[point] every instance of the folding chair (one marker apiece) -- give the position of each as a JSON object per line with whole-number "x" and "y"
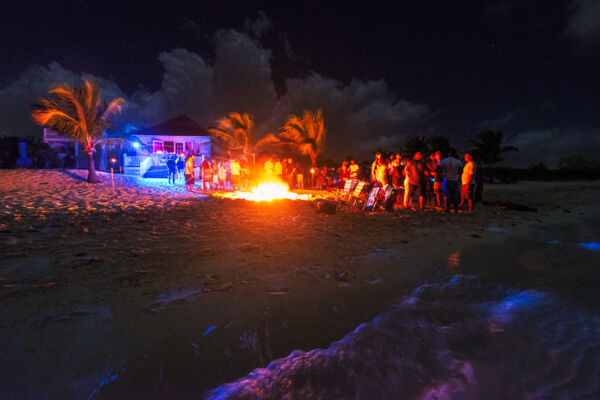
{"x": 372, "y": 198}
{"x": 357, "y": 191}
{"x": 348, "y": 188}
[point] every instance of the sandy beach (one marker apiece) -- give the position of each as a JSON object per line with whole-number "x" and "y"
{"x": 147, "y": 291}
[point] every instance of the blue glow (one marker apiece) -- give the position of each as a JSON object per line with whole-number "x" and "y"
{"x": 129, "y": 128}
{"x": 503, "y": 311}
{"x": 590, "y": 245}
{"x": 209, "y": 330}
{"x": 494, "y": 229}
{"x": 136, "y": 145}
{"x": 554, "y": 241}
{"x": 110, "y": 377}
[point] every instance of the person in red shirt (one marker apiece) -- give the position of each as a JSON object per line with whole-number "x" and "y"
{"x": 415, "y": 174}
{"x": 207, "y": 174}
{"x": 344, "y": 173}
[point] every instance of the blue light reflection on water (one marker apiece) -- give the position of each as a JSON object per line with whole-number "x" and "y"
{"x": 590, "y": 245}
{"x": 408, "y": 339}
{"x": 110, "y": 377}
{"x": 209, "y": 330}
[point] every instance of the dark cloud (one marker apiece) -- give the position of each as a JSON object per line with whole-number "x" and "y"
{"x": 500, "y": 122}
{"x": 583, "y": 25}
{"x": 547, "y": 145}
{"x": 16, "y": 98}
{"x": 360, "y": 116}
{"x": 259, "y": 26}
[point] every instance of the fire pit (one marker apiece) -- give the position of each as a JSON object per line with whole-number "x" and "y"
{"x": 266, "y": 191}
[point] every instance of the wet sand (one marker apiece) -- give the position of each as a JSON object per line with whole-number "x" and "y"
{"x": 156, "y": 291}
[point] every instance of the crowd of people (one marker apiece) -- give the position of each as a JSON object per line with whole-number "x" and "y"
{"x": 440, "y": 179}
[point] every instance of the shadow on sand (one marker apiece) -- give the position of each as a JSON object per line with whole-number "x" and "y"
{"x": 73, "y": 175}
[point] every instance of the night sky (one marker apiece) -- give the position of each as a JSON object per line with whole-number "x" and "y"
{"x": 380, "y": 72}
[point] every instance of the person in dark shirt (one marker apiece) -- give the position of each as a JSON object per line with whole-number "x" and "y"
{"x": 180, "y": 167}
{"x": 172, "y": 169}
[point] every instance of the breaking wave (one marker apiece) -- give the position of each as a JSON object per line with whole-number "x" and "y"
{"x": 464, "y": 339}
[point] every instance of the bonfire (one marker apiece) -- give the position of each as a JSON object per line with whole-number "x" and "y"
{"x": 267, "y": 191}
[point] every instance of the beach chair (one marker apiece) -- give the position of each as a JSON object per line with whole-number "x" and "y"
{"x": 387, "y": 197}
{"x": 357, "y": 191}
{"x": 348, "y": 189}
{"x": 372, "y": 198}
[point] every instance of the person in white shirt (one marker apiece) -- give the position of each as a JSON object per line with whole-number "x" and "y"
{"x": 450, "y": 169}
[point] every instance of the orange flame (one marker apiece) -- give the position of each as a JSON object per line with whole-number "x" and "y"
{"x": 266, "y": 191}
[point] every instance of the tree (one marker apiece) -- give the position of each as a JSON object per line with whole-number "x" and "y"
{"x": 487, "y": 149}
{"x": 439, "y": 143}
{"x": 80, "y": 114}
{"x": 577, "y": 163}
{"x": 306, "y": 134}
{"x": 416, "y": 143}
{"x": 236, "y": 132}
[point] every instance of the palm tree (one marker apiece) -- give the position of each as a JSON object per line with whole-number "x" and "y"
{"x": 416, "y": 143}
{"x": 307, "y": 133}
{"x": 487, "y": 148}
{"x": 439, "y": 143}
{"x": 236, "y": 132}
{"x": 79, "y": 113}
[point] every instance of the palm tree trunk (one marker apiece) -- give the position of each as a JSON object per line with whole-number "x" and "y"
{"x": 91, "y": 168}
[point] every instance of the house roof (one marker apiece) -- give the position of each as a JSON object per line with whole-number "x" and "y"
{"x": 181, "y": 125}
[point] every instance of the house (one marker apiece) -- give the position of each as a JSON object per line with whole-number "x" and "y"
{"x": 147, "y": 150}
{"x": 178, "y": 136}
{"x": 71, "y": 152}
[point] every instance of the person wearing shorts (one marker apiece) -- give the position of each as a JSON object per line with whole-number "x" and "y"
{"x": 189, "y": 173}
{"x": 414, "y": 172}
{"x": 467, "y": 181}
{"x": 449, "y": 169}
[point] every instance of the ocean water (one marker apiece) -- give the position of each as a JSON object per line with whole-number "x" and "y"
{"x": 463, "y": 339}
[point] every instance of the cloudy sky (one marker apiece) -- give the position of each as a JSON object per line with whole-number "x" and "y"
{"x": 381, "y": 73}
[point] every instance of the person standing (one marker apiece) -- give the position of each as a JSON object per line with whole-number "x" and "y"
{"x": 415, "y": 174}
{"x": 353, "y": 169}
{"x": 180, "y": 167}
{"x": 215, "y": 174}
{"x": 222, "y": 174}
{"x": 278, "y": 169}
{"x": 467, "y": 181}
{"x": 379, "y": 170}
{"x": 207, "y": 174}
{"x": 291, "y": 172}
{"x": 299, "y": 176}
{"x": 172, "y": 166}
{"x": 269, "y": 167}
{"x": 343, "y": 173}
{"x": 189, "y": 173}
{"x": 245, "y": 175}
{"x": 437, "y": 177}
{"x": 450, "y": 169}
{"x": 236, "y": 171}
